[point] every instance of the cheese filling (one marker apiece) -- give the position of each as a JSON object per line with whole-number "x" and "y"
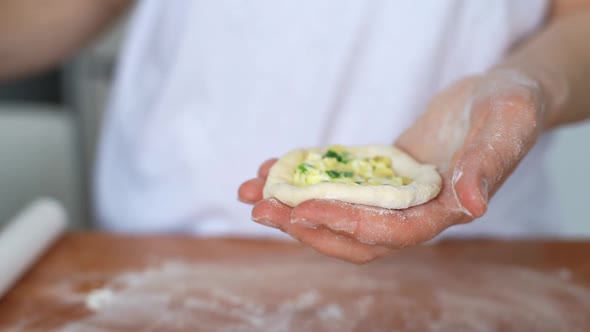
{"x": 339, "y": 165}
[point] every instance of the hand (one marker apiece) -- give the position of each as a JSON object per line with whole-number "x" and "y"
{"x": 476, "y": 132}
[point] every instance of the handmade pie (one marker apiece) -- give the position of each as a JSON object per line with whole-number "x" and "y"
{"x": 374, "y": 175}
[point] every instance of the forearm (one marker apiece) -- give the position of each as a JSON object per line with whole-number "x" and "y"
{"x": 559, "y": 59}
{"x": 36, "y": 35}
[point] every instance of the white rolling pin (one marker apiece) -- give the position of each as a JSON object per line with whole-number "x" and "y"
{"x": 26, "y": 237}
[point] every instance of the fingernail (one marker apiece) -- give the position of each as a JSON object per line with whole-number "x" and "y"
{"x": 305, "y": 223}
{"x": 457, "y": 174}
{"x": 483, "y": 189}
{"x": 265, "y": 222}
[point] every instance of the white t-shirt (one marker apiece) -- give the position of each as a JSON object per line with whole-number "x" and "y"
{"x": 207, "y": 90}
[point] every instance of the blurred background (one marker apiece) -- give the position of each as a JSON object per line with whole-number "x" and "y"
{"x": 50, "y": 123}
{"x": 49, "y": 127}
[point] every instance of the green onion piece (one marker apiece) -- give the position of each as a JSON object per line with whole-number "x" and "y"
{"x": 302, "y": 167}
{"x": 345, "y": 157}
{"x": 347, "y": 174}
{"x": 333, "y": 174}
{"x": 333, "y": 154}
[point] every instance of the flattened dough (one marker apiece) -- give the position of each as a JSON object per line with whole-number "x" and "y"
{"x": 426, "y": 182}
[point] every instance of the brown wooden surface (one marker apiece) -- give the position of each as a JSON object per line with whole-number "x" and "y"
{"x": 104, "y": 255}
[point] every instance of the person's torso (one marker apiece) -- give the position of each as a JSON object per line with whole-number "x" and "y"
{"x": 207, "y": 90}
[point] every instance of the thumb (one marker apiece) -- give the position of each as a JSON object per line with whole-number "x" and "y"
{"x": 504, "y": 125}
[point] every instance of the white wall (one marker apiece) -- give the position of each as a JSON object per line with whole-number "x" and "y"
{"x": 38, "y": 158}
{"x": 570, "y": 166}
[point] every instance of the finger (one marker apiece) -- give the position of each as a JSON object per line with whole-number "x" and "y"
{"x": 377, "y": 226}
{"x": 265, "y": 168}
{"x": 335, "y": 245}
{"x": 270, "y": 212}
{"x": 470, "y": 188}
{"x": 503, "y": 129}
{"x": 251, "y": 191}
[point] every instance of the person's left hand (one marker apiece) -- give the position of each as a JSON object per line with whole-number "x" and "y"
{"x": 476, "y": 132}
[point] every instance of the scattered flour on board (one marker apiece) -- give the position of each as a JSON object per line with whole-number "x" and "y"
{"x": 99, "y": 298}
{"x": 330, "y": 296}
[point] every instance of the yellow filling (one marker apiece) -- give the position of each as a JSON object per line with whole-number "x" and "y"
{"x": 337, "y": 164}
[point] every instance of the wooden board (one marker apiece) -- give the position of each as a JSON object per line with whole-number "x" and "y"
{"x": 179, "y": 283}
